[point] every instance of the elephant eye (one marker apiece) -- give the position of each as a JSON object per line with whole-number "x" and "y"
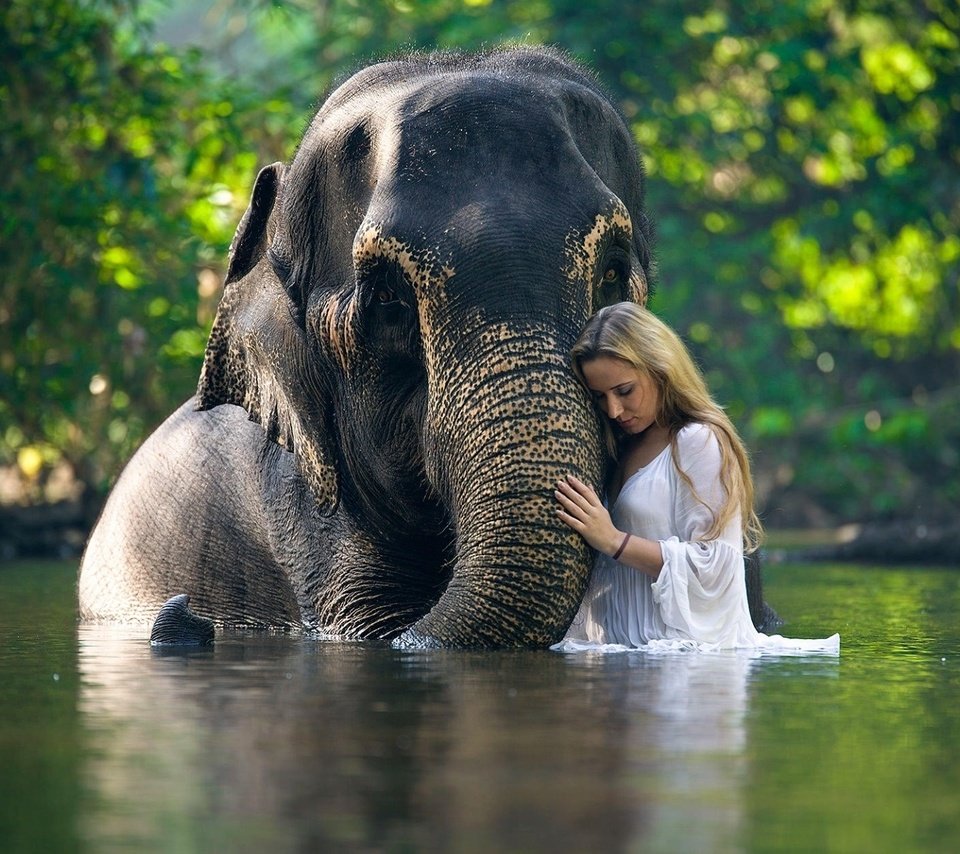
{"x": 383, "y": 289}
{"x": 614, "y": 272}
{"x": 385, "y": 296}
{"x": 610, "y": 289}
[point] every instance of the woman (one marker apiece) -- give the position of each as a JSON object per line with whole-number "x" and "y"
{"x": 670, "y": 573}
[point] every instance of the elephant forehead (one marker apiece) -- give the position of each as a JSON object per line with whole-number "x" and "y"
{"x": 459, "y": 120}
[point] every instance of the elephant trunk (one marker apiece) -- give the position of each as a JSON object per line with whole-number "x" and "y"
{"x": 502, "y": 441}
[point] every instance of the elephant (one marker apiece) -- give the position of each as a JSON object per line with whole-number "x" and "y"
{"x": 385, "y": 401}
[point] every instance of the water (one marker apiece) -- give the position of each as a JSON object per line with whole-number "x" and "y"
{"x": 284, "y": 744}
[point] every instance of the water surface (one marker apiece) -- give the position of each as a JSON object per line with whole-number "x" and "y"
{"x": 290, "y": 744}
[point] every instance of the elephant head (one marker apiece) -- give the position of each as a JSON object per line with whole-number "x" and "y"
{"x": 398, "y": 310}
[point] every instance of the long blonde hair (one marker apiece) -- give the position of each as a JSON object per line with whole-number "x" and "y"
{"x": 631, "y": 333}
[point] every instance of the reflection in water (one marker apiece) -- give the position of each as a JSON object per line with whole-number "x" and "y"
{"x": 300, "y": 744}
{"x": 700, "y": 703}
{"x": 285, "y": 744}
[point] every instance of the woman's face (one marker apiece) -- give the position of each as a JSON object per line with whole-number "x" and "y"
{"x": 624, "y": 394}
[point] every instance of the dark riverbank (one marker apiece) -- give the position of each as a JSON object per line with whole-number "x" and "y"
{"x": 55, "y": 530}
{"x": 895, "y": 542}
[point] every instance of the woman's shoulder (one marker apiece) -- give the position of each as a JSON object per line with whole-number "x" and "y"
{"x": 696, "y": 435}
{"x": 697, "y": 442}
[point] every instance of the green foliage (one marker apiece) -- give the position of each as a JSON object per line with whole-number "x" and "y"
{"x": 125, "y": 172}
{"x": 802, "y": 160}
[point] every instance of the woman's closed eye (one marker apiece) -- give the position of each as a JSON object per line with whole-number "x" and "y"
{"x": 622, "y": 391}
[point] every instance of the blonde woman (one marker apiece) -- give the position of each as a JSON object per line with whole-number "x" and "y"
{"x": 670, "y": 568}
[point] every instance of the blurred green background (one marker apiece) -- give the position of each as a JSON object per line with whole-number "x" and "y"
{"x": 804, "y": 177}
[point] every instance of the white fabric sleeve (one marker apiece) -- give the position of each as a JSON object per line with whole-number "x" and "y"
{"x": 701, "y": 591}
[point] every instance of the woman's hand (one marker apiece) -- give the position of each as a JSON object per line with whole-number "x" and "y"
{"x": 582, "y": 509}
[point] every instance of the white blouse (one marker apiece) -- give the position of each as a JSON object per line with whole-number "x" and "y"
{"x": 699, "y": 601}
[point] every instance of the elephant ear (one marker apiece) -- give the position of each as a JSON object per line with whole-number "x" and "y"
{"x": 258, "y": 356}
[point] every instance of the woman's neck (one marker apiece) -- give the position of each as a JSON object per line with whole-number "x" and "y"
{"x": 642, "y": 449}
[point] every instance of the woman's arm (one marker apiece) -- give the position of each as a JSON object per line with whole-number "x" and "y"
{"x": 582, "y": 509}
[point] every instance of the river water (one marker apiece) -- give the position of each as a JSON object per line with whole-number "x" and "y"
{"x": 279, "y": 744}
